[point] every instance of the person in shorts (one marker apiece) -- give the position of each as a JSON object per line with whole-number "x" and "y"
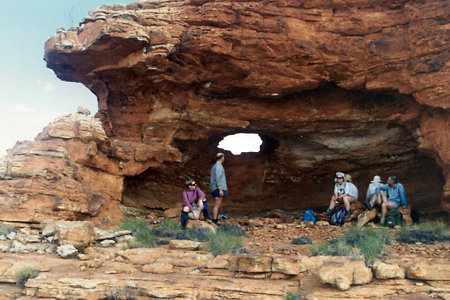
{"x": 218, "y": 185}
{"x": 392, "y": 196}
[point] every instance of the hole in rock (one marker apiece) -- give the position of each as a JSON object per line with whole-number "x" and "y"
{"x": 299, "y": 154}
{"x": 241, "y": 142}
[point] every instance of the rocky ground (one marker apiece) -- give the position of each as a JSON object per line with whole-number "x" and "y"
{"x": 79, "y": 261}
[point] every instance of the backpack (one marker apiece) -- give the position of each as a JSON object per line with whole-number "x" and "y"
{"x": 337, "y": 218}
{"x": 309, "y": 216}
{"x": 394, "y": 217}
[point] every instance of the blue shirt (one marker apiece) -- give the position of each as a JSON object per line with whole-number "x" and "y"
{"x": 218, "y": 180}
{"x": 394, "y": 194}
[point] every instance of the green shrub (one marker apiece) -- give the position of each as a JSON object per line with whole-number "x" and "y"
{"x": 232, "y": 229}
{"x": 222, "y": 242}
{"x": 141, "y": 230}
{"x": 6, "y": 229}
{"x": 438, "y": 228}
{"x": 320, "y": 249}
{"x": 355, "y": 240}
{"x": 24, "y": 274}
{"x": 167, "y": 228}
{"x": 290, "y": 296}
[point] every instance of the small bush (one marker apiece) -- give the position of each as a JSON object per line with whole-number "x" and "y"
{"x": 365, "y": 241}
{"x": 231, "y": 229}
{"x": 426, "y": 233}
{"x": 320, "y": 249}
{"x": 167, "y": 228}
{"x": 24, "y": 274}
{"x": 290, "y": 296}
{"x": 222, "y": 242}
{"x": 301, "y": 241}
{"x": 141, "y": 230}
{"x": 6, "y": 229}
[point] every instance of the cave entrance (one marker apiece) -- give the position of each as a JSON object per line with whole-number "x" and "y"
{"x": 322, "y": 131}
{"x": 241, "y": 142}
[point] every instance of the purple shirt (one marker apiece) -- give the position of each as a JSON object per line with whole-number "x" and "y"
{"x": 190, "y": 197}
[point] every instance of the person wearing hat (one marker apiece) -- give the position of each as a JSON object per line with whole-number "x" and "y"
{"x": 341, "y": 193}
{"x": 193, "y": 196}
{"x": 353, "y": 188}
{"x": 371, "y": 196}
{"x": 392, "y": 196}
{"x": 218, "y": 185}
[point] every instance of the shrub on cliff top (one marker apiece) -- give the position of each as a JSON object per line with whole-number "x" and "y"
{"x": 141, "y": 230}
{"x": 426, "y": 233}
{"x": 24, "y": 274}
{"x": 222, "y": 242}
{"x": 166, "y": 228}
{"x": 6, "y": 229}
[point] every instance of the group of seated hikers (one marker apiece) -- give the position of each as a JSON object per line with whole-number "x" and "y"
{"x": 389, "y": 196}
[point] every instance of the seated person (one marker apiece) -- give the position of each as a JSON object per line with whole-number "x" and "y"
{"x": 371, "y": 196}
{"x": 193, "y": 195}
{"x": 342, "y": 193}
{"x": 391, "y": 195}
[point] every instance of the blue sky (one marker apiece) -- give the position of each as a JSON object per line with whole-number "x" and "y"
{"x": 30, "y": 94}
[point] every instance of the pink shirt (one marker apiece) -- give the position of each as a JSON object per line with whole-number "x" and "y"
{"x": 190, "y": 197}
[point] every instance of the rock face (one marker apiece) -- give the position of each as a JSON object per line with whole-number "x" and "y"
{"x": 360, "y": 87}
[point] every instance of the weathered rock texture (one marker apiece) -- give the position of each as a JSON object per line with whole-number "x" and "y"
{"x": 358, "y": 86}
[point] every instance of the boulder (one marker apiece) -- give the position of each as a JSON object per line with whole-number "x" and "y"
{"x": 172, "y": 213}
{"x": 322, "y": 223}
{"x": 355, "y": 272}
{"x": 428, "y": 271}
{"x": 76, "y": 233}
{"x": 67, "y": 251}
{"x": 342, "y": 282}
{"x": 365, "y": 217}
{"x": 107, "y": 243}
{"x": 191, "y": 224}
{"x": 388, "y": 271}
{"x": 287, "y": 265}
{"x": 254, "y": 264}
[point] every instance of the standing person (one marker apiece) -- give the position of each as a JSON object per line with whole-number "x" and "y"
{"x": 218, "y": 185}
{"x": 341, "y": 193}
{"x": 392, "y": 196}
{"x": 371, "y": 196}
{"x": 193, "y": 196}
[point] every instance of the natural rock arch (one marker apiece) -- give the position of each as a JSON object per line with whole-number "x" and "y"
{"x": 362, "y": 85}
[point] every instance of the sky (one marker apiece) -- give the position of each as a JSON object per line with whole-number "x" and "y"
{"x": 30, "y": 94}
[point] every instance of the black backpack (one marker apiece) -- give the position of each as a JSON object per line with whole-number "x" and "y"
{"x": 337, "y": 218}
{"x": 394, "y": 217}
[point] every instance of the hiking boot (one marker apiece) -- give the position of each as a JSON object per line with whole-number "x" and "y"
{"x": 216, "y": 222}
{"x": 328, "y": 211}
{"x": 348, "y": 214}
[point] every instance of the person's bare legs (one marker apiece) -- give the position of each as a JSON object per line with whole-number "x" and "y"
{"x": 347, "y": 201}
{"x": 217, "y": 203}
{"x": 333, "y": 201}
{"x": 385, "y": 205}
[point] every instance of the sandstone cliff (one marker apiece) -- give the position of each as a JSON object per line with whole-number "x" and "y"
{"x": 359, "y": 86}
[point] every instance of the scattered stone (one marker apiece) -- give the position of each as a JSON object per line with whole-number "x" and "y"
{"x": 49, "y": 229}
{"x": 11, "y": 235}
{"x": 17, "y": 247}
{"x": 125, "y": 238}
{"x": 83, "y": 257}
{"x": 2, "y": 237}
{"x": 107, "y": 243}
{"x": 304, "y": 240}
{"x": 185, "y": 245}
{"x": 307, "y": 223}
{"x": 67, "y": 251}
{"x": 4, "y": 246}
{"x": 322, "y": 223}
{"x": 158, "y": 268}
{"x": 112, "y": 235}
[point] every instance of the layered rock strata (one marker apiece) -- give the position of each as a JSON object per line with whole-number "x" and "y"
{"x": 359, "y": 87}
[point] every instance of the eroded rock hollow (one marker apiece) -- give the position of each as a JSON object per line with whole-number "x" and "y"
{"x": 359, "y": 87}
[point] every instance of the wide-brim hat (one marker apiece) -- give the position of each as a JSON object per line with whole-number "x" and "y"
{"x": 376, "y": 179}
